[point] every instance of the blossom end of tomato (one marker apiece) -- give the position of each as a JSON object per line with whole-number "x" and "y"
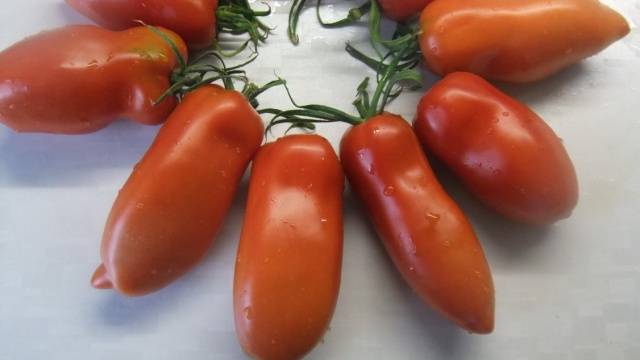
{"x": 100, "y": 279}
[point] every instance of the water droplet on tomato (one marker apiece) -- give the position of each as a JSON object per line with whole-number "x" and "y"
{"x": 92, "y": 64}
{"x": 267, "y": 260}
{"x": 323, "y": 220}
{"x": 389, "y": 190}
{"x": 247, "y": 313}
{"x": 140, "y": 205}
{"x": 432, "y": 216}
{"x": 412, "y": 269}
{"x": 372, "y": 170}
{"x": 376, "y": 130}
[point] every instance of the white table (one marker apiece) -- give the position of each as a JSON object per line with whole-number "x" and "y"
{"x": 570, "y": 291}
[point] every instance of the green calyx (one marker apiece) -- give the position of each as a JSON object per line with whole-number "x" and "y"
{"x": 201, "y": 71}
{"x": 395, "y": 72}
{"x": 354, "y": 15}
{"x": 236, "y": 17}
{"x": 206, "y": 68}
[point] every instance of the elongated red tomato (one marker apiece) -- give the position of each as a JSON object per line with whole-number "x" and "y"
{"x": 515, "y": 40}
{"x": 427, "y": 236}
{"x": 78, "y": 79}
{"x": 399, "y": 10}
{"x": 503, "y": 152}
{"x": 193, "y": 20}
{"x": 167, "y": 214}
{"x": 290, "y": 254}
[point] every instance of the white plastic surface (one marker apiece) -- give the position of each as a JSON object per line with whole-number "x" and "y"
{"x": 569, "y": 291}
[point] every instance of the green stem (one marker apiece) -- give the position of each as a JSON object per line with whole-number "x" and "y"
{"x": 294, "y": 17}
{"x": 236, "y": 17}
{"x": 354, "y": 15}
{"x": 382, "y": 85}
{"x": 397, "y": 43}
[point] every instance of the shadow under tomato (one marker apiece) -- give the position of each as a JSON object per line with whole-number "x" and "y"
{"x": 436, "y": 333}
{"x": 46, "y": 160}
{"x": 118, "y": 311}
{"x": 513, "y": 242}
{"x": 69, "y": 15}
{"x": 530, "y": 94}
{"x": 542, "y": 91}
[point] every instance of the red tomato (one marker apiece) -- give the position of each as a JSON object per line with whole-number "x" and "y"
{"x": 78, "y": 79}
{"x": 289, "y": 259}
{"x": 399, "y": 10}
{"x": 515, "y": 40}
{"x": 193, "y": 20}
{"x": 167, "y": 214}
{"x": 503, "y": 152}
{"x": 427, "y": 236}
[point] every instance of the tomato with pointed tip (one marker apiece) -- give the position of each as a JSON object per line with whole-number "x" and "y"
{"x": 167, "y": 215}
{"x": 79, "y": 79}
{"x": 289, "y": 260}
{"x": 427, "y": 236}
{"x": 515, "y": 40}
{"x": 503, "y": 152}
{"x": 402, "y": 10}
{"x": 194, "y": 20}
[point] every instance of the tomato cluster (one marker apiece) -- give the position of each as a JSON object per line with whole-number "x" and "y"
{"x": 288, "y": 265}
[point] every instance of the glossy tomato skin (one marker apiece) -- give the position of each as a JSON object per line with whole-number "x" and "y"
{"x": 193, "y": 20}
{"x": 166, "y": 216}
{"x": 515, "y": 40}
{"x": 503, "y": 152}
{"x": 290, "y": 254}
{"x": 78, "y": 79}
{"x": 402, "y": 10}
{"x": 429, "y": 239}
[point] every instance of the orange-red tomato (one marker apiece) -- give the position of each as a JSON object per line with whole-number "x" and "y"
{"x": 167, "y": 214}
{"x": 402, "y": 10}
{"x": 290, "y": 254}
{"x": 515, "y": 40}
{"x": 78, "y": 79}
{"x": 193, "y": 20}
{"x": 426, "y": 234}
{"x": 503, "y": 152}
